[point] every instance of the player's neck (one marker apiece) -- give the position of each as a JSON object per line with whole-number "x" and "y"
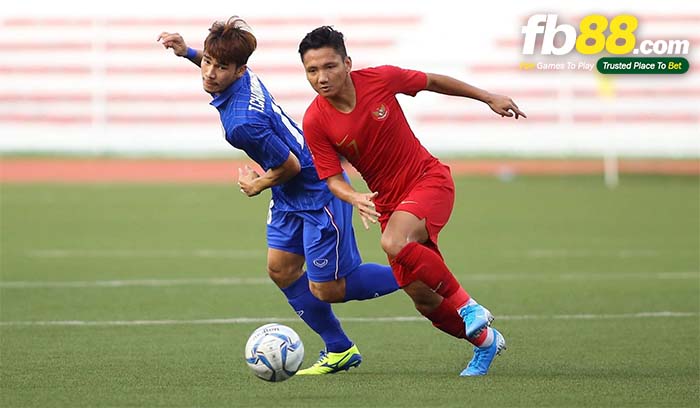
{"x": 345, "y": 100}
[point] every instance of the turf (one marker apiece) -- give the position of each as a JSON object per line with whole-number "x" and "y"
{"x": 596, "y": 290}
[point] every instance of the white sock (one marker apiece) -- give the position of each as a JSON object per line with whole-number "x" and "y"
{"x": 489, "y": 338}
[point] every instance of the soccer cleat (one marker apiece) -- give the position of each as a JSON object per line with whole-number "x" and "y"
{"x": 331, "y": 363}
{"x": 483, "y": 356}
{"x": 476, "y": 318}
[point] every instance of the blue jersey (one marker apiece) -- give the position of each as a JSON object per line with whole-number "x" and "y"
{"x": 255, "y": 124}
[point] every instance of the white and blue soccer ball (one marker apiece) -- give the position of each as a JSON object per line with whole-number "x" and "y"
{"x": 274, "y": 352}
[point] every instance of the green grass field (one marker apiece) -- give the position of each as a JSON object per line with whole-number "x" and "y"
{"x": 144, "y": 295}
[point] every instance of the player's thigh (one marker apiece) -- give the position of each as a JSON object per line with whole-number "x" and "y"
{"x": 329, "y": 242}
{"x": 285, "y": 255}
{"x": 422, "y": 213}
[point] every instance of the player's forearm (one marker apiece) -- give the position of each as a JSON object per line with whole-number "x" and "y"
{"x": 341, "y": 188}
{"x": 278, "y": 175}
{"x": 273, "y": 177}
{"x": 446, "y": 85}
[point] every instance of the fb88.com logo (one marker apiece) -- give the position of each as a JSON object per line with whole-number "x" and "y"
{"x": 592, "y": 38}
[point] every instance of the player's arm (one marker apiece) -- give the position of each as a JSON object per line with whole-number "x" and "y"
{"x": 252, "y": 183}
{"x": 362, "y": 201}
{"x": 175, "y": 42}
{"x": 446, "y": 85}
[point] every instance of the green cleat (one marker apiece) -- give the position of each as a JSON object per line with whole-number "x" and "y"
{"x": 331, "y": 363}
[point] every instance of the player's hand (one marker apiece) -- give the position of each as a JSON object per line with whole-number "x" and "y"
{"x": 246, "y": 181}
{"x": 365, "y": 205}
{"x": 173, "y": 41}
{"x": 503, "y": 106}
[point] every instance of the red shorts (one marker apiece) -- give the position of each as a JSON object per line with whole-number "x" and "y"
{"x": 431, "y": 198}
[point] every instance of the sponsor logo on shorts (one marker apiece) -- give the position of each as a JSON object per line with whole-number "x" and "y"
{"x": 321, "y": 262}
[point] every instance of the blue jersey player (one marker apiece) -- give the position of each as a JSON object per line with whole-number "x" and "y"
{"x": 306, "y": 223}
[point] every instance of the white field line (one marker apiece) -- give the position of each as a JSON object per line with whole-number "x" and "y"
{"x": 137, "y": 282}
{"x": 258, "y": 253}
{"x": 393, "y": 319}
{"x": 148, "y": 253}
{"x": 596, "y": 253}
{"x": 465, "y": 279}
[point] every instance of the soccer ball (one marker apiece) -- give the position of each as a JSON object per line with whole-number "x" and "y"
{"x": 274, "y": 352}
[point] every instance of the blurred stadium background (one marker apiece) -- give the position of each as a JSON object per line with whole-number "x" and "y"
{"x": 93, "y": 80}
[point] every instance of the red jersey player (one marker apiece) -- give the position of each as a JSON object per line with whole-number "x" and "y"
{"x": 356, "y": 115}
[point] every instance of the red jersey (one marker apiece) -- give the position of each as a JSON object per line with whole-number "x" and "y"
{"x": 375, "y": 137}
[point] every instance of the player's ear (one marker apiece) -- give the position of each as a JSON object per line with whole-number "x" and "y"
{"x": 241, "y": 70}
{"x": 348, "y": 64}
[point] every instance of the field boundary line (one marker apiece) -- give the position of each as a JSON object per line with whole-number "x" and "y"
{"x": 388, "y": 319}
{"x": 234, "y": 281}
{"x": 257, "y": 253}
{"x": 147, "y": 253}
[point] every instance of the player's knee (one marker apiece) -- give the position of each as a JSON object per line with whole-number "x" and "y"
{"x": 283, "y": 275}
{"x": 329, "y": 292}
{"x": 392, "y": 245}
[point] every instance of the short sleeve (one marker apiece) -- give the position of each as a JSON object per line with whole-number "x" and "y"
{"x": 405, "y": 81}
{"x": 260, "y": 143}
{"x": 323, "y": 154}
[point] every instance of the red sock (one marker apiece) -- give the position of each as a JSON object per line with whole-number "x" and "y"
{"x": 428, "y": 267}
{"x": 446, "y": 319}
{"x": 433, "y": 247}
{"x": 479, "y": 340}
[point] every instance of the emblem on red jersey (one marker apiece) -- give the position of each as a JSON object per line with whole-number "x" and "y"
{"x": 380, "y": 113}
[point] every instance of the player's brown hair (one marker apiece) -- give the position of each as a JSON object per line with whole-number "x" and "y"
{"x": 230, "y": 42}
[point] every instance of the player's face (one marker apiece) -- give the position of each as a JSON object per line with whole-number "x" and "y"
{"x": 326, "y": 71}
{"x": 217, "y": 77}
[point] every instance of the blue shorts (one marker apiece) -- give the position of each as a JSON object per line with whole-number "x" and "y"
{"x": 324, "y": 237}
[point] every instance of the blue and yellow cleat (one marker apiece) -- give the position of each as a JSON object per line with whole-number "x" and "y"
{"x": 331, "y": 363}
{"x": 483, "y": 356}
{"x": 476, "y": 319}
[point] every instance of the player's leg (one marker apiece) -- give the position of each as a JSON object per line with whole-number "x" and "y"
{"x": 403, "y": 241}
{"x": 366, "y": 281}
{"x": 335, "y": 269}
{"x": 410, "y": 240}
{"x": 423, "y": 275}
{"x": 411, "y": 236}
{"x": 326, "y": 260}
{"x": 285, "y": 267}
{"x": 318, "y": 315}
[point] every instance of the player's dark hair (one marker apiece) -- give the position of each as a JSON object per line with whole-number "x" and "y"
{"x": 321, "y": 37}
{"x": 230, "y": 42}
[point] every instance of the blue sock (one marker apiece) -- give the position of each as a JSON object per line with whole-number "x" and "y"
{"x": 317, "y": 315}
{"x": 369, "y": 281}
